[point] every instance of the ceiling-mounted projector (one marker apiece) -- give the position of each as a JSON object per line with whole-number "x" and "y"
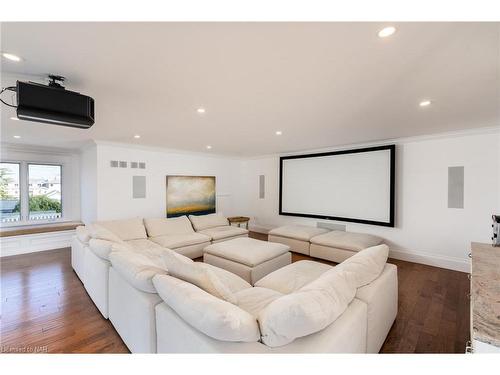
{"x": 53, "y": 104}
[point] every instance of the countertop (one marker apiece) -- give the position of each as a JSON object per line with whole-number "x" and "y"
{"x": 485, "y": 293}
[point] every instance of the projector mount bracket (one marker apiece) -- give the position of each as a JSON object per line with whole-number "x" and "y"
{"x": 56, "y": 81}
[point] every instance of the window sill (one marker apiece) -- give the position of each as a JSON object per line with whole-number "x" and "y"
{"x": 38, "y": 228}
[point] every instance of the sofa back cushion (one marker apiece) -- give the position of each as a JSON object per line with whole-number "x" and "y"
{"x": 366, "y": 265}
{"x": 307, "y": 310}
{"x": 130, "y": 229}
{"x": 214, "y": 317}
{"x": 138, "y": 269}
{"x": 197, "y": 273}
{"x": 167, "y": 227}
{"x": 202, "y": 222}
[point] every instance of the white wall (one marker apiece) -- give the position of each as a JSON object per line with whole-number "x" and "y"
{"x": 114, "y": 185}
{"x": 88, "y": 183}
{"x": 426, "y": 230}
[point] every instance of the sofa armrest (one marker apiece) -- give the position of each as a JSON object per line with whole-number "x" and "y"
{"x": 381, "y": 296}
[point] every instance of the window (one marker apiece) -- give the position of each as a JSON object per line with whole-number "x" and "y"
{"x": 44, "y": 192}
{"x": 10, "y": 202}
{"x": 30, "y": 193}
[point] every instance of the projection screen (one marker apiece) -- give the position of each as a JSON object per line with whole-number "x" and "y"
{"x": 348, "y": 185}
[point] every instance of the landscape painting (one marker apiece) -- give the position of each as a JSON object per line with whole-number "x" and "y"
{"x": 190, "y": 195}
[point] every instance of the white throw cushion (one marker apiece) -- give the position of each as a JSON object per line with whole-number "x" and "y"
{"x": 103, "y": 248}
{"x": 214, "y": 317}
{"x": 100, "y": 233}
{"x": 130, "y": 229}
{"x": 207, "y": 221}
{"x": 294, "y": 276}
{"x": 253, "y": 300}
{"x": 308, "y": 310}
{"x": 167, "y": 227}
{"x": 83, "y": 234}
{"x": 138, "y": 269}
{"x": 366, "y": 265}
{"x": 229, "y": 279}
{"x": 198, "y": 274}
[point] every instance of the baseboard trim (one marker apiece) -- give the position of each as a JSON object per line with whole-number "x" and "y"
{"x": 32, "y": 243}
{"x": 451, "y": 263}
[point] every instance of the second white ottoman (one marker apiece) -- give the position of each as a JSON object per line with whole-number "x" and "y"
{"x": 248, "y": 258}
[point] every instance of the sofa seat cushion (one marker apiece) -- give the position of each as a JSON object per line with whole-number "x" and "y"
{"x": 299, "y": 232}
{"x": 253, "y": 300}
{"x": 157, "y": 227}
{"x": 294, "y": 276}
{"x": 199, "y": 274}
{"x": 347, "y": 240}
{"x": 180, "y": 240}
{"x": 201, "y": 222}
{"x": 130, "y": 229}
{"x": 219, "y": 233}
{"x": 307, "y": 310}
{"x": 210, "y": 315}
{"x": 247, "y": 251}
{"x": 138, "y": 269}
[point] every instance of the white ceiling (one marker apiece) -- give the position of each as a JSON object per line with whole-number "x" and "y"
{"x": 322, "y": 84}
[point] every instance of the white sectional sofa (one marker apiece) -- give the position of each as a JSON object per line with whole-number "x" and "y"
{"x": 303, "y": 307}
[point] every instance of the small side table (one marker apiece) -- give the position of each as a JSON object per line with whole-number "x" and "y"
{"x": 239, "y": 220}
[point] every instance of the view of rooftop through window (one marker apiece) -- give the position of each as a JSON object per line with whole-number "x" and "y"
{"x": 10, "y": 210}
{"x": 44, "y": 187}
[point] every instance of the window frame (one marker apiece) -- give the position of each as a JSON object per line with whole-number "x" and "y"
{"x": 24, "y": 193}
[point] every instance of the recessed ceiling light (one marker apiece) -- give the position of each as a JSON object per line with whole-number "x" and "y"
{"x": 201, "y": 110}
{"x": 17, "y": 136}
{"x": 209, "y": 147}
{"x": 14, "y": 118}
{"x": 386, "y": 31}
{"x": 278, "y": 132}
{"x": 137, "y": 136}
{"x": 425, "y": 103}
{"x": 11, "y": 57}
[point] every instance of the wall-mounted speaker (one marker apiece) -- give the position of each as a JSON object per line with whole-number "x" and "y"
{"x": 455, "y": 187}
{"x": 138, "y": 187}
{"x": 262, "y": 186}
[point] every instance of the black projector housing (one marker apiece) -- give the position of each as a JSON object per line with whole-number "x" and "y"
{"x": 54, "y": 105}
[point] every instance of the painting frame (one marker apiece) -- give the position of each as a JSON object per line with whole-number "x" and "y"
{"x": 190, "y": 195}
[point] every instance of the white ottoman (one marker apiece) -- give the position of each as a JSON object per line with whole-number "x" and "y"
{"x": 337, "y": 245}
{"x": 296, "y": 236}
{"x": 248, "y": 258}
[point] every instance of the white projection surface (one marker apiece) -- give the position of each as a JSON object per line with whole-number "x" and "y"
{"x": 348, "y": 186}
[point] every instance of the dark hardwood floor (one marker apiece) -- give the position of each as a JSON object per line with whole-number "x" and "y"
{"x": 45, "y": 309}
